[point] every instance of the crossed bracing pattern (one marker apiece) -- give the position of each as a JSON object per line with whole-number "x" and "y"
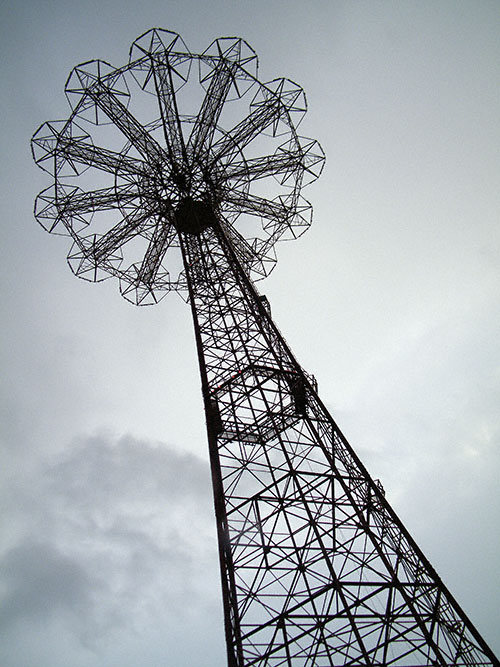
{"x": 175, "y": 165}
{"x": 321, "y": 570}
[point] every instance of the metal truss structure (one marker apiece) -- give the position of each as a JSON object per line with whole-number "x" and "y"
{"x": 317, "y": 569}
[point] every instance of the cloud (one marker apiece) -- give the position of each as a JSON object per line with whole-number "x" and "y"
{"x": 38, "y": 580}
{"x": 112, "y": 537}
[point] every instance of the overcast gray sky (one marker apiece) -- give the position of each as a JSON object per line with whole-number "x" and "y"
{"x": 392, "y": 299}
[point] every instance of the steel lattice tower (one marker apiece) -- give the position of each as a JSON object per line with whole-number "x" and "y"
{"x": 317, "y": 569}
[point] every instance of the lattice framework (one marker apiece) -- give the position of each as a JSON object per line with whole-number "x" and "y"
{"x": 317, "y": 570}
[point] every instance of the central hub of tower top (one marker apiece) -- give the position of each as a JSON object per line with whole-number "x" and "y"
{"x": 193, "y": 216}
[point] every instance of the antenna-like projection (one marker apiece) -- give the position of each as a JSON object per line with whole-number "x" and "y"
{"x": 181, "y": 172}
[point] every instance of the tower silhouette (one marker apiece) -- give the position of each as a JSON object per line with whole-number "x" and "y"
{"x": 317, "y": 569}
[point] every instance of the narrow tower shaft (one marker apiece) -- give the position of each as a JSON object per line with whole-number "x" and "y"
{"x": 317, "y": 569}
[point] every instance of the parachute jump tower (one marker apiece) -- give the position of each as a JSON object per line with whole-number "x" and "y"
{"x": 181, "y": 172}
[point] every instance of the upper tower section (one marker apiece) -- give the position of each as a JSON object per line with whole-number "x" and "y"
{"x": 167, "y": 144}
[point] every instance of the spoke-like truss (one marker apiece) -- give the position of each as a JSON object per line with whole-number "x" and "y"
{"x": 173, "y": 153}
{"x": 317, "y": 569}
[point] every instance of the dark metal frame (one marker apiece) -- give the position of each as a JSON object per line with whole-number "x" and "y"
{"x": 317, "y": 569}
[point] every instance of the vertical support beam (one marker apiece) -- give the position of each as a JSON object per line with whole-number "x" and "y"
{"x": 231, "y": 621}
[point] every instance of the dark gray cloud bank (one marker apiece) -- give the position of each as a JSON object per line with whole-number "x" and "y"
{"x": 110, "y": 536}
